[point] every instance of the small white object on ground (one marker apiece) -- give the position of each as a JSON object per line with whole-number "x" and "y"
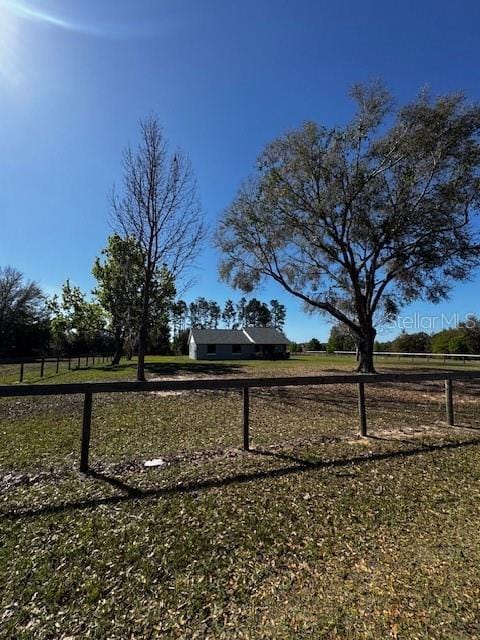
{"x": 156, "y": 462}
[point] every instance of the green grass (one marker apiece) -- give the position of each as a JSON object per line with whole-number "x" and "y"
{"x": 315, "y": 533}
{"x": 171, "y": 365}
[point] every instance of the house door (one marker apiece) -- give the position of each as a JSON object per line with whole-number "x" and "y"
{"x": 268, "y": 350}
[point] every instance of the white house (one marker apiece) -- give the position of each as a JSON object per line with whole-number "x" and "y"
{"x": 227, "y": 344}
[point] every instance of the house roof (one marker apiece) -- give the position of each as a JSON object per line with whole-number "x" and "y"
{"x": 266, "y": 335}
{"x": 219, "y": 336}
{"x": 249, "y": 335}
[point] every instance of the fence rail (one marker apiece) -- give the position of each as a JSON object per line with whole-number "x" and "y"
{"x": 74, "y": 361}
{"x": 243, "y": 384}
{"x": 465, "y": 357}
{"x": 405, "y": 354}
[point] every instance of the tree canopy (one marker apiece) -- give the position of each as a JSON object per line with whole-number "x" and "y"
{"x": 358, "y": 220}
{"x": 340, "y": 339}
{"x": 23, "y": 318}
{"x": 419, "y": 342}
{"x": 119, "y": 274}
{"x": 77, "y": 324}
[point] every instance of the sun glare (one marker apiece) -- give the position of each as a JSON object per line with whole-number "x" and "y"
{"x": 10, "y": 71}
{"x": 14, "y": 15}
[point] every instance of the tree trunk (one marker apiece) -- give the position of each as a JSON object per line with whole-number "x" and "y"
{"x": 118, "y": 346}
{"x": 143, "y": 334}
{"x": 142, "y": 347}
{"x": 365, "y": 349}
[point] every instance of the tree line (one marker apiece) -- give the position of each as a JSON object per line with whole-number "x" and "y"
{"x": 208, "y": 314}
{"x": 71, "y": 323}
{"x": 464, "y": 338}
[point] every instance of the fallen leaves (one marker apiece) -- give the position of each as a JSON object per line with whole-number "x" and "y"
{"x": 313, "y": 534}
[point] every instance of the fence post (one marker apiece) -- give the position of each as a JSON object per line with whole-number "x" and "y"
{"x": 449, "y": 402}
{"x": 21, "y": 371}
{"x": 78, "y": 363}
{"x": 361, "y": 409}
{"x": 93, "y": 360}
{"x": 42, "y": 367}
{"x": 69, "y": 364}
{"x": 87, "y": 421}
{"x": 246, "y": 426}
{"x": 58, "y": 364}
{"x": 86, "y": 363}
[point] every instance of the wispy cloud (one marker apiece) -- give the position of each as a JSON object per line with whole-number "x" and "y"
{"x": 23, "y": 11}
{"x": 114, "y": 30}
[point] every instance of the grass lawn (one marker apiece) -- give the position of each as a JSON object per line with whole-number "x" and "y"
{"x": 182, "y": 365}
{"x": 315, "y": 533}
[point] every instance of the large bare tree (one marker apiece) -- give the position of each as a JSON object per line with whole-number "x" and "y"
{"x": 159, "y": 208}
{"x": 359, "y": 220}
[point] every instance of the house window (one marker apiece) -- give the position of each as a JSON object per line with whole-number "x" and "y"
{"x": 236, "y": 348}
{"x": 211, "y": 348}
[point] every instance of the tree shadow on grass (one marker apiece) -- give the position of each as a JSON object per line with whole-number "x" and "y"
{"x": 377, "y": 394}
{"x": 300, "y": 465}
{"x": 191, "y": 367}
{"x": 175, "y": 368}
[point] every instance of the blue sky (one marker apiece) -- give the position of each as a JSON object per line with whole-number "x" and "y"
{"x": 224, "y": 78}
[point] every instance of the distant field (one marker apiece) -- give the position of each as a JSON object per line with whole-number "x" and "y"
{"x": 315, "y": 533}
{"x": 182, "y": 365}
